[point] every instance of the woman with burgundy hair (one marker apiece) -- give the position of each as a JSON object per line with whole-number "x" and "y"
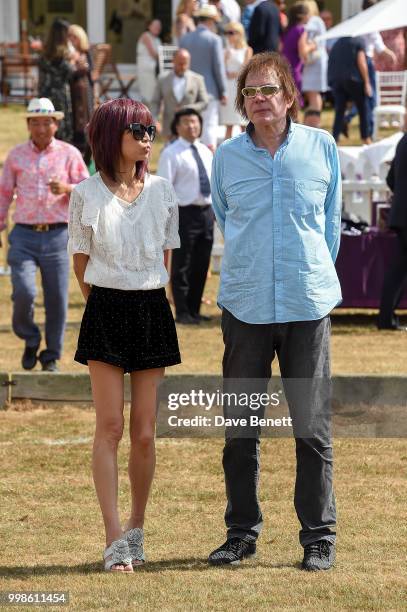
{"x": 123, "y": 222}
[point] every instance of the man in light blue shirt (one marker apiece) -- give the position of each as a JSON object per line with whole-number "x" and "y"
{"x": 276, "y": 192}
{"x": 247, "y": 14}
{"x": 207, "y": 59}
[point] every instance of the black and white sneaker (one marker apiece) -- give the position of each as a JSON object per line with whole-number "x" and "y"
{"x": 232, "y": 552}
{"x": 318, "y": 555}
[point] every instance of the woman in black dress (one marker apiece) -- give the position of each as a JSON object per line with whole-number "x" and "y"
{"x": 56, "y": 68}
{"x": 81, "y": 89}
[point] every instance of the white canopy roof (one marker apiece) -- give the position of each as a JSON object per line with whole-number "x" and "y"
{"x": 385, "y": 15}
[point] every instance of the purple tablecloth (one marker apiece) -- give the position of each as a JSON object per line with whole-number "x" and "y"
{"x": 361, "y": 265}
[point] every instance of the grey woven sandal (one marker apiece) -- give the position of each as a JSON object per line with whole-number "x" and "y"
{"x": 135, "y": 539}
{"x": 120, "y": 555}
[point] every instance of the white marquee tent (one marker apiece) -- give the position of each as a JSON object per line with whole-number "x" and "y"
{"x": 385, "y": 15}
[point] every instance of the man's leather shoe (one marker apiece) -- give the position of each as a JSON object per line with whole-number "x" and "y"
{"x": 186, "y": 319}
{"x": 393, "y": 327}
{"x": 201, "y": 317}
{"x": 345, "y": 129}
{"x": 50, "y": 366}
{"x": 29, "y": 359}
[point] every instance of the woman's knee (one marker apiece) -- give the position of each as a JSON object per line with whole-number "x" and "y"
{"x": 143, "y": 441}
{"x": 110, "y": 431}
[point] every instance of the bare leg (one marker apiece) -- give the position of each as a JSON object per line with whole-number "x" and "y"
{"x": 142, "y": 445}
{"x": 108, "y": 396}
{"x": 314, "y": 100}
{"x": 229, "y": 129}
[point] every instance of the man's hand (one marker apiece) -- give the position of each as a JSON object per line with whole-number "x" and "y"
{"x": 368, "y": 89}
{"x": 224, "y": 100}
{"x": 58, "y": 187}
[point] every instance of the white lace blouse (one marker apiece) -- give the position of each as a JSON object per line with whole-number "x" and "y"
{"x": 125, "y": 242}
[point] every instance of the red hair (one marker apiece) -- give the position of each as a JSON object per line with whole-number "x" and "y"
{"x": 105, "y": 131}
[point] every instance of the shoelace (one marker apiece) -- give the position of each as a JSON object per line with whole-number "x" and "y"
{"x": 318, "y": 548}
{"x": 235, "y": 545}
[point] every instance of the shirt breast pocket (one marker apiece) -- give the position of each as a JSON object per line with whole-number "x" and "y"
{"x": 304, "y": 220}
{"x": 309, "y": 197}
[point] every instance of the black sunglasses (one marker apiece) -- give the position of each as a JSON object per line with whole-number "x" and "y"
{"x": 139, "y": 130}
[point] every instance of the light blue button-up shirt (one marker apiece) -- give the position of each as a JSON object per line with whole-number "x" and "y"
{"x": 281, "y": 220}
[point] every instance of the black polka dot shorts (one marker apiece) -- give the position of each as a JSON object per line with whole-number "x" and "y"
{"x": 133, "y": 330}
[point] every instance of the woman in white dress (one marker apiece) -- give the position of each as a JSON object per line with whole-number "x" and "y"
{"x": 314, "y": 76}
{"x": 184, "y": 21}
{"x": 237, "y": 54}
{"x": 147, "y": 60}
{"x": 123, "y": 223}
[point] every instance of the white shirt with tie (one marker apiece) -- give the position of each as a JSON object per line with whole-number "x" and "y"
{"x": 178, "y": 165}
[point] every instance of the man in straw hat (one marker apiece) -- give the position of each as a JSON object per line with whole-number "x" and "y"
{"x": 207, "y": 59}
{"x": 41, "y": 172}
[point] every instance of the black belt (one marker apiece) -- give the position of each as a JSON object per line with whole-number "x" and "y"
{"x": 42, "y": 227}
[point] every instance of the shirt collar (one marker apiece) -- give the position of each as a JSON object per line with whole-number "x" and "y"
{"x": 252, "y": 145}
{"x": 50, "y": 147}
{"x": 186, "y": 143}
{"x": 184, "y": 76}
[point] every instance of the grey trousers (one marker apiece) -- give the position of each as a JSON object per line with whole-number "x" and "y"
{"x": 303, "y": 350}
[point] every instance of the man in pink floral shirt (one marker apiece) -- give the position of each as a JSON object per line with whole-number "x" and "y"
{"x": 42, "y": 173}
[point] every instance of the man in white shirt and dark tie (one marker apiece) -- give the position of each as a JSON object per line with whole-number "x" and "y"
{"x": 187, "y": 163}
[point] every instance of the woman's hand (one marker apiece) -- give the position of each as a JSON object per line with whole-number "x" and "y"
{"x": 368, "y": 89}
{"x": 86, "y": 289}
{"x": 80, "y": 261}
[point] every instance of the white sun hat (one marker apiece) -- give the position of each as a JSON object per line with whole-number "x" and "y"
{"x": 208, "y": 11}
{"x": 43, "y": 107}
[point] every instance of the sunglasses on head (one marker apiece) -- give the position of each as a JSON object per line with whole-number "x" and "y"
{"x": 264, "y": 90}
{"x": 139, "y": 130}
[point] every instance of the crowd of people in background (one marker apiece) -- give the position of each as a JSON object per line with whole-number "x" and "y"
{"x": 220, "y": 38}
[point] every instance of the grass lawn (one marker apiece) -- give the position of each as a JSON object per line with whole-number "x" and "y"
{"x": 52, "y": 531}
{"x": 51, "y": 528}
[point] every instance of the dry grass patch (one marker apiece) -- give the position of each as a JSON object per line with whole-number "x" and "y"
{"x": 357, "y": 346}
{"x": 52, "y": 532}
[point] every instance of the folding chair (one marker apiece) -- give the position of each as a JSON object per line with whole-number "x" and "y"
{"x": 107, "y": 76}
{"x": 19, "y": 77}
{"x": 391, "y": 98}
{"x": 165, "y": 58}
